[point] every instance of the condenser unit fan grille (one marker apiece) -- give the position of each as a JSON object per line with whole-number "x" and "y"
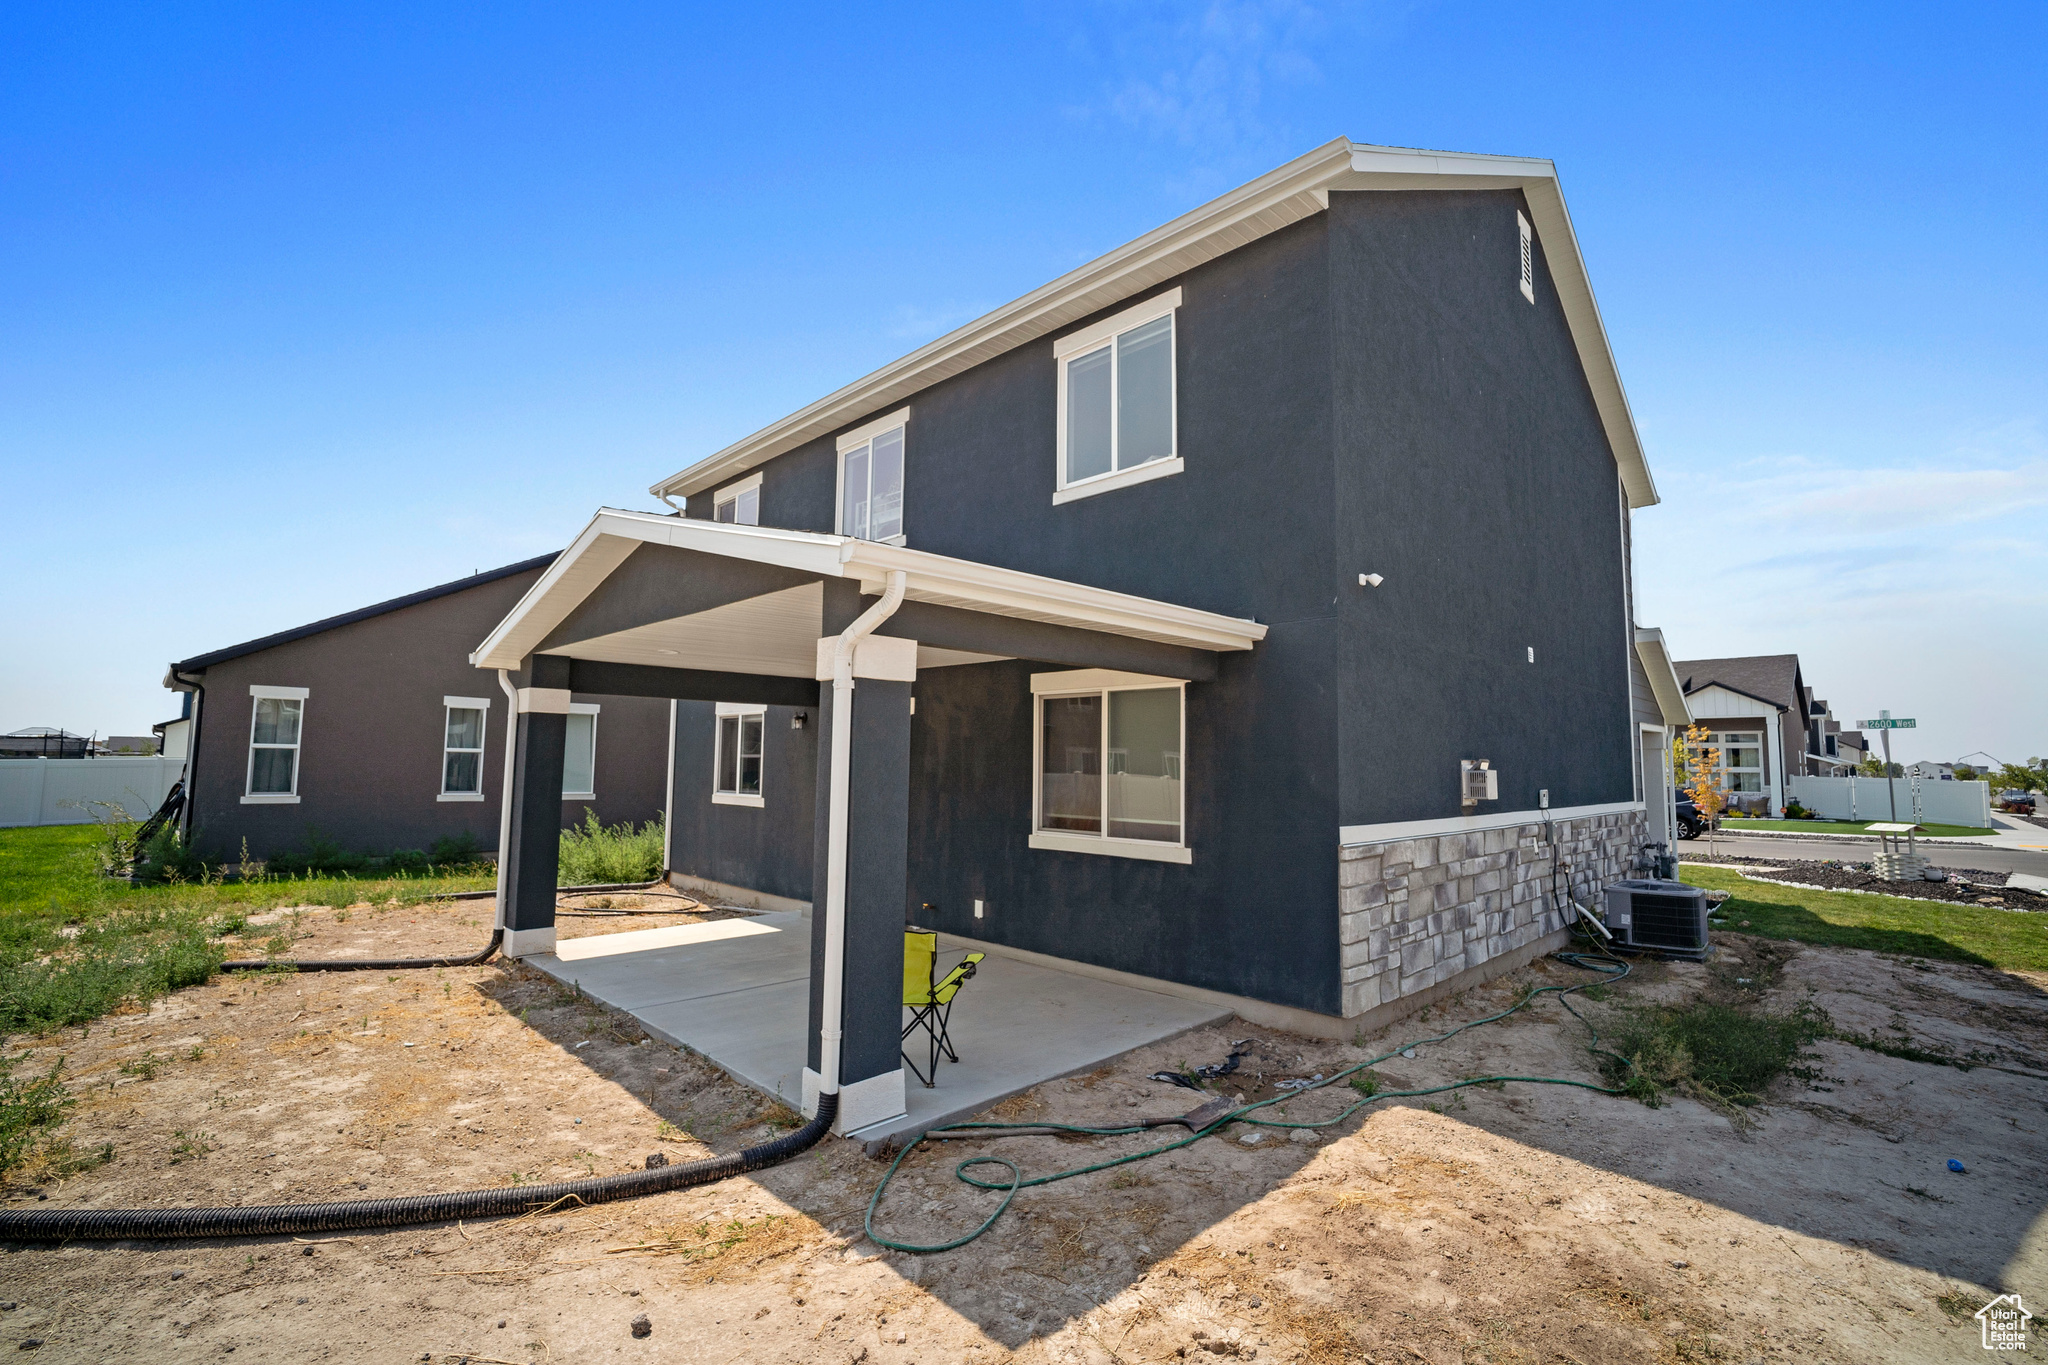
{"x": 1665, "y": 921}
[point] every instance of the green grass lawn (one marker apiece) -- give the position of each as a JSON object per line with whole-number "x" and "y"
{"x": 1885, "y": 924}
{"x": 74, "y": 944}
{"x": 1735, "y": 824}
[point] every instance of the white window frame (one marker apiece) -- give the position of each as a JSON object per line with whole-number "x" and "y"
{"x": 1527, "y": 256}
{"x": 291, "y": 798}
{"x": 448, "y": 704}
{"x": 854, "y": 440}
{"x": 1100, "y": 682}
{"x": 730, "y": 495}
{"x": 726, "y": 709}
{"x": 591, "y": 709}
{"x": 1088, "y": 339}
{"x": 1721, "y": 741}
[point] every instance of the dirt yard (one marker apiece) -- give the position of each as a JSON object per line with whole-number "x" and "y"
{"x": 1526, "y": 1223}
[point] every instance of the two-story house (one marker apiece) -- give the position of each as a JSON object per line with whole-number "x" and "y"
{"x": 1244, "y": 613}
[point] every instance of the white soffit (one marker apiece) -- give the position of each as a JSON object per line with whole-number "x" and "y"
{"x": 1265, "y": 205}
{"x": 612, "y": 535}
{"x": 1670, "y": 693}
{"x": 775, "y": 634}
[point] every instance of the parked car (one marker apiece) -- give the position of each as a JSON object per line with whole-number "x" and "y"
{"x": 2016, "y": 801}
{"x": 1690, "y": 826}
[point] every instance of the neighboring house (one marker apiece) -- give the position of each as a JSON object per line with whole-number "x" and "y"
{"x": 172, "y": 735}
{"x": 42, "y": 741}
{"x": 1932, "y": 772}
{"x": 128, "y": 744}
{"x": 1830, "y": 751}
{"x": 372, "y": 729}
{"x": 1755, "y": 711}
{"x": 1202, "y": 582}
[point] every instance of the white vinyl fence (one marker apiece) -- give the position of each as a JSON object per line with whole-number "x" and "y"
{"x": 1921, "y": 801}
{"x": 59, "y": 791}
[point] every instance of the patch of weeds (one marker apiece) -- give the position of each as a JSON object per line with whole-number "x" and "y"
{"x": 228, "y": 925}
{"x": 783, "y": 1117}
{"x": 277, "y": 943}
{"x": 30, "y": 1111}
{"x": 1598, "y": 991}
{"x": 1960, "y": 1306}
{"x": 1724, "y": 1055}
{"x": 191, "y": 1145}
{"x": 198, "y": 1053}
{"x": 1899, "y": 1043}
{"x": 146, "y": 1066}
{"x": 1366, "y": 1082}
{"x": 668, "y": 1132}
{"x": 1484, "y": 1082}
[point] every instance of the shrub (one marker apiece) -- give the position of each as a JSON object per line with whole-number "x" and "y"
{"x": 168, "y": 858}
{"x": 317, "y": 856}
{"x": 595, "y": 855}
{"x": 455, "y": 850}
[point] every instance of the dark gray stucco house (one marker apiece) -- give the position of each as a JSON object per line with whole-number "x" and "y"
{"x": 1159, "y": 622}
{"x": 373, "y": 729}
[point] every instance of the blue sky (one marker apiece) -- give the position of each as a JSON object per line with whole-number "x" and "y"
{"x": 299, "y": 310}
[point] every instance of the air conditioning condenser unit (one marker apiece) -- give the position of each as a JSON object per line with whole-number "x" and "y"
{"x": 1668, "y": 918}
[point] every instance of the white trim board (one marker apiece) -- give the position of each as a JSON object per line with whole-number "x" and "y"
{"x": 1283, "y": 196}
{"x": 1466, "y": 824}
{"x": 868, "y": 431}
{"x": 280, "y": 693}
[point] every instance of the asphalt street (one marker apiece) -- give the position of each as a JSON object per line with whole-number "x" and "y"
{"x": 1860, "y": 850}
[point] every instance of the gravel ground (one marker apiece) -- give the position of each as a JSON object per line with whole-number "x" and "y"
{"x": 1963, "y": 887}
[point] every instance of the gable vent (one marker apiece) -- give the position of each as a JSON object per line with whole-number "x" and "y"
{"x": 1528, "y": 259}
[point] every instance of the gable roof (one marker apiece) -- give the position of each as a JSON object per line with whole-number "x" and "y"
{"x": 349, "y": 618}
{"x": 1771, "y": 678}
{"x": 1265, "y": 205}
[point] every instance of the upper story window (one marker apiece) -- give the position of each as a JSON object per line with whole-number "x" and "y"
{"x": 737, "y": 755}
{"x": 739, "y": 503}
{"x": 579, "y": 752}
{"x": 1117, "y": 401}
{"x": 871, "y": 479}
{"x": 462, "y": 748}
{"x": 274, "y": 724}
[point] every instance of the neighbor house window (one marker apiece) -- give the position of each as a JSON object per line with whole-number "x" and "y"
{"x": 1528, "y": 255}
{"x": 276, "y": 718}
{"x": 736, "y": 758}
{"x": 462, "y": 748}
{"x": 1742, "y": 759}
{"x": 1117, "y": 400}
{"x": 579, "y": 753}
{"x": 1109, "y": 764}
{"x": 871, "y": 479}
{"x": 739, "y": 503}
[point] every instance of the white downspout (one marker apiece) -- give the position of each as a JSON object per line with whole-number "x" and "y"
{"x": 505, "y": 797}
{"x": 835, "y": 826}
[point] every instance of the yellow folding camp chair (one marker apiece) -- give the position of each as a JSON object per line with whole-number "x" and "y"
{"x": 929, "y": 997}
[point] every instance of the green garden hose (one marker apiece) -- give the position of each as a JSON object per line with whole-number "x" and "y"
{"x": 1610, "y": 967}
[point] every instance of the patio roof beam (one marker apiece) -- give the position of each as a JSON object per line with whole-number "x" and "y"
{"x": 689, "y": 684}
{"x": 1014, "y": 637}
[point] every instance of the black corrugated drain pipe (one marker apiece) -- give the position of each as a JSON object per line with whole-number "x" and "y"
{"x": 368, "y": 964}
{"x": 277, "y": 1220}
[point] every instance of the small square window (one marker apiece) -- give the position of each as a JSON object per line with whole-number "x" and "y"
{"x": 1109, "y": 771}
{"x": 739, "y": 503}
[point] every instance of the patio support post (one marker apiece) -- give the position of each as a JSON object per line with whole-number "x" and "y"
{"x": 875, "y": 893}
{"x": 532, "y": 854}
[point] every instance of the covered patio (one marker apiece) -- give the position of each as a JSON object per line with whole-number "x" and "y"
{"x": 646, "y": 605}
{"x": 734, "y": 990}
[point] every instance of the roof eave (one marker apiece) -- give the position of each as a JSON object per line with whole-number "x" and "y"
{"x": 1274, "y": 200}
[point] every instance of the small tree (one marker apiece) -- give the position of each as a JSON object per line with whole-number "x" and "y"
{"x": 1699, "y": 764}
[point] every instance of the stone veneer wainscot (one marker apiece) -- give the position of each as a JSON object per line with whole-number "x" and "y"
{"x": 1417, "y": 913}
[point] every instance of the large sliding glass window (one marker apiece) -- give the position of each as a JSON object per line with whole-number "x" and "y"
{"x": 1116, "y": 396}
{"x": 1109, "y": 763}
{"x": 871, "y": 480}
{"x": 1742, "y": 760}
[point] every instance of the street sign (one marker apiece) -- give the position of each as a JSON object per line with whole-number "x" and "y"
{"x": 1886, "y": 724}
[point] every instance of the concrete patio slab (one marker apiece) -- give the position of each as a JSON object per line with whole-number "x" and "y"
{"x": 737, "y": 991}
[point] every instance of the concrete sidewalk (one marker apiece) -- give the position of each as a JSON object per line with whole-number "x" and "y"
{"x": 738, "y": 991}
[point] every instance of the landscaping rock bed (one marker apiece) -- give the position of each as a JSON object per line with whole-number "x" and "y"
{"x": 1964, "y": 886}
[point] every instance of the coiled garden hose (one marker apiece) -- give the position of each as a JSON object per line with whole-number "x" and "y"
{"x": 368, "y": 964}
{"x": 274, "y": 1220}
{"x": 1609, "y": 966}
